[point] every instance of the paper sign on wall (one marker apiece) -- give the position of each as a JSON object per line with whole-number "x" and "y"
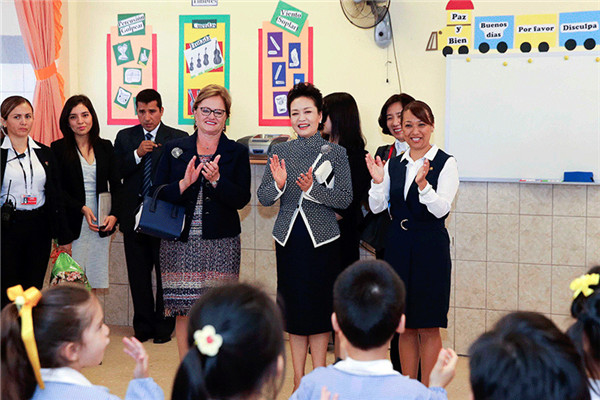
{"x": 131, "y": 67}
{"x": 131, "y": 24}
{"x": 284, "y": 60}
{"x": 289, "y": 18}
{"x": 204, "y": 58}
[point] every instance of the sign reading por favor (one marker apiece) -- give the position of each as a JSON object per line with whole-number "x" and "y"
{"x": 289, "y": 18}
{"x": 131, "y": 24}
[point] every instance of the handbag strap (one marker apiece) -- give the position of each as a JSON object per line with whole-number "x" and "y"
{"x": 155, "y": 196}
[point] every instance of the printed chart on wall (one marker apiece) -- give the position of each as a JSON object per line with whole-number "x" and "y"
{"x": 285, "y": 57}
{"x": 131, "y": 66}
{"x": 204, "y": 58}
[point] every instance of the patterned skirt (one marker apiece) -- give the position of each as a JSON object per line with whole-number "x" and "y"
{"x": 190, "y": 269}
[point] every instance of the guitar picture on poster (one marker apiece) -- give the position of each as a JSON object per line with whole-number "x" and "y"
{"x": 217, "y": 60}
{"x": 206, "y": 60}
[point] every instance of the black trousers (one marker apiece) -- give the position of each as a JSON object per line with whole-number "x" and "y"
{"x": 141, "y": 255}
{"x": 26, "y": 243}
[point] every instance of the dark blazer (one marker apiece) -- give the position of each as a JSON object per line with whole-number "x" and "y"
{"x": 54, "y": 201}
{"x": 220, "y": 218}
{"x": 127, "y": 141}
{"x": 71, "y": 180}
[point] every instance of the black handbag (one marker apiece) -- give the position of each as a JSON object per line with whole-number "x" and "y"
{"x": 374, "y": 229}
{"x": 160, "y": 218}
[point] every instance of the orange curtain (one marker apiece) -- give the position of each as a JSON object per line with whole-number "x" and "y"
{"x": 40, "y": 23}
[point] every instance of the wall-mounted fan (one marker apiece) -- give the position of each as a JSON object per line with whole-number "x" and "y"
{"x": 367, "y": 14}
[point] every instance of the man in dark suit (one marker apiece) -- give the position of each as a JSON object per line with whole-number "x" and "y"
{"x": 138, "y": 150}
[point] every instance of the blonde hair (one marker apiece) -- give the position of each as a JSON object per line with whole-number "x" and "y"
{"x": 214, "y": 90}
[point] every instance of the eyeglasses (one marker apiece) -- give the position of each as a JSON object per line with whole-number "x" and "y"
{"x": 217, "y": 112}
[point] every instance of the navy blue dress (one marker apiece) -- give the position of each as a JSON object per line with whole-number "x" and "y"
{"x": 419, "y": 248}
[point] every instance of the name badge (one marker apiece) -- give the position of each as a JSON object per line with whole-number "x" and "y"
{"x": 28, "y": 200}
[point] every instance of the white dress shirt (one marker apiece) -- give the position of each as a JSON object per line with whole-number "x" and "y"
{"x": 438, "y": 202}
{"x": 22, "y": 184}
{"x": 153, "y": 133}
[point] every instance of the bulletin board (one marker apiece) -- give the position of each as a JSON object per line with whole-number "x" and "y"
{"x": 203, "y": 58}
{"x": 131, "y": 67}
{"x": 284, "y": 59}
{"x": 523, "y": 116}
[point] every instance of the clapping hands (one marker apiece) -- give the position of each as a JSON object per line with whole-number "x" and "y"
{"x": 375, "y": 166}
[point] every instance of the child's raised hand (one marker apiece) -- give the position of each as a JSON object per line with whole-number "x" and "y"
{"x": 326, "y": 394}
{"x": 135, "y": 349}
{"x": 444, "y": 369}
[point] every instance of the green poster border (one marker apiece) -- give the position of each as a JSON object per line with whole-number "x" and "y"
{"x": 185, "y": 19}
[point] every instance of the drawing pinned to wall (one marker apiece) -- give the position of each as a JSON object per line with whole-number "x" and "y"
{"x": 126, "y": 75}
{"x": 144, "y": 56}
{"x": 204, "y": 58}
{"x": 198, "y": 59}
{"x": 520, "y": 33}
{"x": 283, "y": 60}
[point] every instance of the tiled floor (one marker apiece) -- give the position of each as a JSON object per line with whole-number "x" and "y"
{"x": 116, "y": 369}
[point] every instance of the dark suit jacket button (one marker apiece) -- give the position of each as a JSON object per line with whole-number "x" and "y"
{"x": 207, "y": 198}
{"x": 208, "y": 212}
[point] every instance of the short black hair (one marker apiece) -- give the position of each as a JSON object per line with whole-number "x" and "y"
{"x": 305, "y": 89}
{"x": 526, "y": 357}
{"x": 368, "y": 300}
{"x": 401, "y": 98}
{"x": 246, "y": 363}
{"x": 148, "y": 95}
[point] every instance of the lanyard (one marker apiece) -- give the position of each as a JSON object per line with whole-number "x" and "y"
{"x": 18, "y": 157}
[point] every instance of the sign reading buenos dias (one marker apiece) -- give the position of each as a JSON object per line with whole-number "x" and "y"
{"x": 131, "y": 24}
{"x": 289, "y": 18}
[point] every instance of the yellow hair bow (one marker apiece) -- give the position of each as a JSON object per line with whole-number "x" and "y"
{"x": 583, "y": 283}
{"x": 25, "y": 301}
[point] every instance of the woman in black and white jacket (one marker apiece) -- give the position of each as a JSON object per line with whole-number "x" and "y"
{"x": 310, "y": 177}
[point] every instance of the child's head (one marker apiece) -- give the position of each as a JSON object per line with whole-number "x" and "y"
{"x": 585, "y": 332}
{"x": 242, "y": 357}
{"x": 69, "y": 331}
{"x": 368, "y": 302}
{"x": 525, "y": 356}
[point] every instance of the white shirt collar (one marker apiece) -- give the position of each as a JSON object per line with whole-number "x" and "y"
{"x": 400, "y": 146}
{"x": 369, "y": 368}
{"x": 152, "y": 132}
{"x": 64, "y": 375}
{"x": 430, "y": 155}
{"x": 6, "y": 144}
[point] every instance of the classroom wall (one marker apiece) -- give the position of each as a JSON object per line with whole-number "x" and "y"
{"x": 346, "y": 58}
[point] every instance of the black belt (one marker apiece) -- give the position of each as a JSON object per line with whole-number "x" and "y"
{"x": 25, "y": 215}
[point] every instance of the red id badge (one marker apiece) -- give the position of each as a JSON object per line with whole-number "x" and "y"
{"x": 28, "y": 200}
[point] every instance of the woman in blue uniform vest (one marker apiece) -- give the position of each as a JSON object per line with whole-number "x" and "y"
{"x": 419, "y": 188}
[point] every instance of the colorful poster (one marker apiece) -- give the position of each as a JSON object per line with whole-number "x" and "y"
{"x": 204, "y": 58}
{"x": 283, "y": 61}
{"x": 289, "y": 18}
{"x": 131, "y": 67}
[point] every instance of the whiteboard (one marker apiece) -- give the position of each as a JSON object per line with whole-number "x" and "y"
{"x": 533, "y": 118}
